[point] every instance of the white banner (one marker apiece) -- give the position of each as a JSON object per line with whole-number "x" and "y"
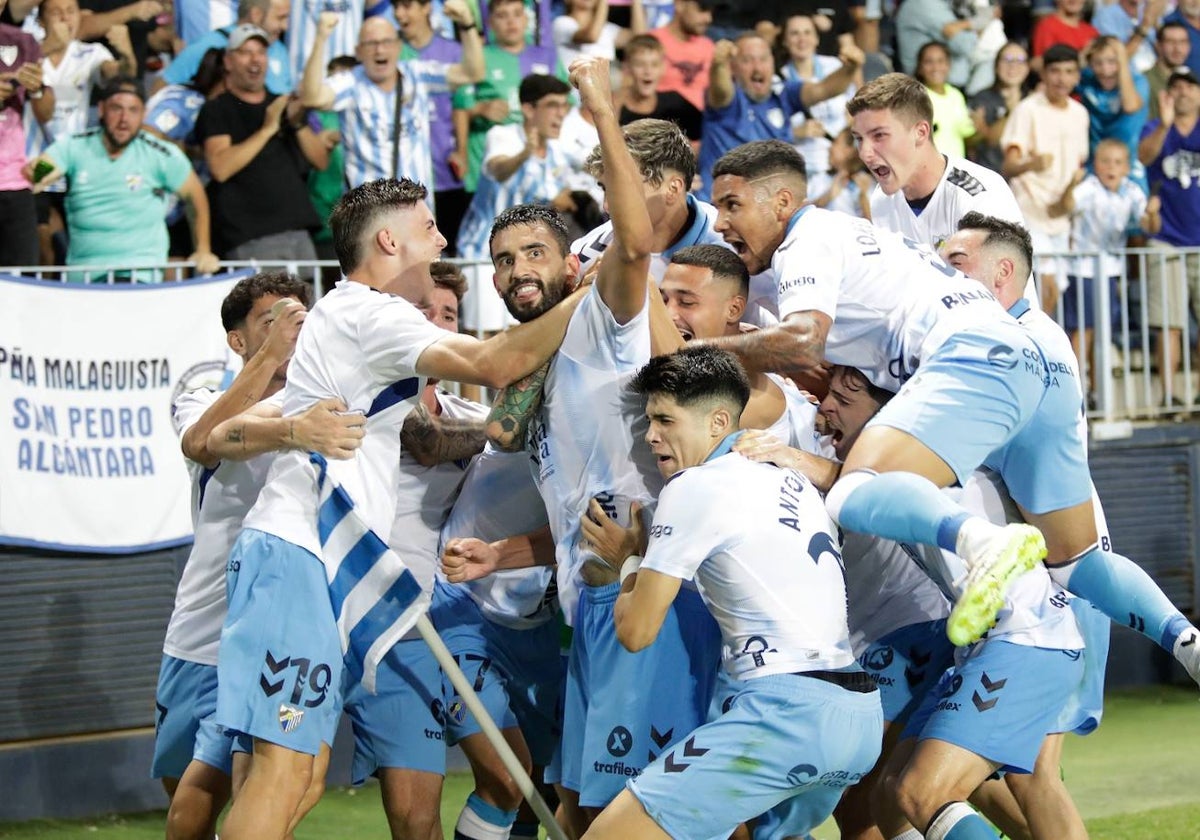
{"x": 89, "y": 458}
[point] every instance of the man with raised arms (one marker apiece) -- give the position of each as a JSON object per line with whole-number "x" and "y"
{"x": 365, "y": 344}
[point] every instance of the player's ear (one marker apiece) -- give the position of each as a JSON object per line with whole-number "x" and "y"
{"x": 720, "y": 422}
{"x": 734, "y": 309}
{"x": 572, "y": 271}
{"x": 236, "y": 341}
{"x": 924, "y": 131}
{"x": 385, "y": 241}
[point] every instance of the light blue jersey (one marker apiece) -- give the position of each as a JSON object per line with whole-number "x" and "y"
{"x": 302, "y": 30}
{"x": 536, "y": 181}
{"x": 196, "y": 18}
{"x": 369, "y": 121}
{"x": 184, "y": 66}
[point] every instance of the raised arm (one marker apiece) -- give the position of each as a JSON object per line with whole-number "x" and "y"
{"x": 514, "y": 409}
{"x": 720, "y": 77}
{"x": 621, "y": 281}
{"x": 314, "y": 93}
{"x": 796, "y": 344}
{"x": 470, "y": 68}
{"x": 835, "y": 83}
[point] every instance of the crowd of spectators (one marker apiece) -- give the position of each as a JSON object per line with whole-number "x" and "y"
{"x": 275, "y": 107}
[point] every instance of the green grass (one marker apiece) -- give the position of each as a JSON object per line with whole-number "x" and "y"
{"x": 1133, "y": 779}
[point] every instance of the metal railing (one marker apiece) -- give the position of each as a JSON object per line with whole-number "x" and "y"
{"x": 1123, "y": 367}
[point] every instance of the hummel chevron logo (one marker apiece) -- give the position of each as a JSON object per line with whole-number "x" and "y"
{"x": 981, "y": 704}
{"x": 269, "y": 688}
{"x": 690, "y": 750}
{"x": 1136, "y": 622}
{"x": 661, "y": 739}
{"x": 989, "y": 686}
{"x": 1188, "y": 642}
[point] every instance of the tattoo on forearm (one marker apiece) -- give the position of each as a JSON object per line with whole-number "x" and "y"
{"x": 236, "y": 435}
{"x": 774, "y": 349}
{"x": 514, "y": 410}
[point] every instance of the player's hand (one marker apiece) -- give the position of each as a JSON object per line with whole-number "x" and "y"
{"x": 206, "y": 262}
{"x": 327, "y": 22}
{"x": 724, "y": 51}
{"x": 852, "y": 56}
{"x": 764, "y": 447}
{"x": 459, "y": 12}
{"x": 608, "y": 539}
{"x": 467, "y": 559}
{"x": 284, "y": 330}
{"x": 589, "y": 75}
{"x": 274, "y": 115}
{"x": 29, "y": 75}
{"x": 7, "y": 86}
{"x": 495, "y": 110}
{"x": 329, "y": 429}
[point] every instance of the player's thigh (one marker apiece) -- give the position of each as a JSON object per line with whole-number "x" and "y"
{"x": 624, "y": 818}
{"x": 1068, "y": 532}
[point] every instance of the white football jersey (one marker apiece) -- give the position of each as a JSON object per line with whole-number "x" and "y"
{"x": 796, "y": 426}
{"x": 362, "y": 346}
{"x": 764, "y": 555}
{"x": 699, "y": 231}
{"x": 886, "y": 589}
{"x": 499, "y": 499}
{"x": 892, "y": 301}
{"x": 588, "y": 439}
{"x": 221, "y": 497}
{"x": 965, "y": 186}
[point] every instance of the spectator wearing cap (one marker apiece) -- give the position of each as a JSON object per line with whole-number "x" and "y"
{"x": 20, "y": 82}
{"x": 119, "y": 178}
{"x": 271, "y": 16}
{"x": 1170, "y": 149}
{"x": 258, "y": 148}
{"x": 687, "y": 51}
{"x": 1045, "y": 142}
{"x": 746, "y": 103}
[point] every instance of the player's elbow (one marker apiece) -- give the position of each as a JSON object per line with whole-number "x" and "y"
{"x": 634, "y": 639}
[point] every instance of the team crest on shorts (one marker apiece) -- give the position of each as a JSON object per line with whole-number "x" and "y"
{"x": 289, "y": 718}
{"x": 458, "y": 711}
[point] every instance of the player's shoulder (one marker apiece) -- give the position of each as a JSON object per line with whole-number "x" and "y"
{"x": 593, "y": 243}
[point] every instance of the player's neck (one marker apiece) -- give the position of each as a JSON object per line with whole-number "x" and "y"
{"x": 926, "y": 178}
{"x": 677, "y": 222}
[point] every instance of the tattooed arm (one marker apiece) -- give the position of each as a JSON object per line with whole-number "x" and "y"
{"x": 514, "y": 409}
{"x": 437, "y": 439}
{"x": 323, "y": 427}
{"x": 797, "y": 344}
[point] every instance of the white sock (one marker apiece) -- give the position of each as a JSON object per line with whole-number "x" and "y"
{"x": 947, "y": 818}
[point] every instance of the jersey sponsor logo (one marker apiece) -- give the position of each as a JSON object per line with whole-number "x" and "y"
{"x": 795, "y": 282}
{"x": 801, "y": 775}
{"x": 620, "y": 742}
{"x": 661, "y": 530}
{"x": 962, "y": 298}
{"x": 965, "y": 181}
{"x": 758, "y": 651}
{"x": 878, "y": 659}
{"x": 1002, "y": 356}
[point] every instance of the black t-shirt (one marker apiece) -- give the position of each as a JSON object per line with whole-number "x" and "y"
{"x": 270, "y": 194}
{"x": 671, "y": 106}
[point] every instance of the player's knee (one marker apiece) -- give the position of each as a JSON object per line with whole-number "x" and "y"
{"x": 916, "y": 798}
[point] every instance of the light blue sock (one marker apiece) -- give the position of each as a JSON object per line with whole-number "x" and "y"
{"x": 899, "y": 506}
{"x": 1123, "y": 591}
{"x": 481, "y": 821}
{"x": 958, "y": 821}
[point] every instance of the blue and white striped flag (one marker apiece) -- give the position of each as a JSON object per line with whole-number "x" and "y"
{"x": 376, "y": 599}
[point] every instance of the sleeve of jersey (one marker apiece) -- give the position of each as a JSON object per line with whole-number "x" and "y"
{"x": 190, "y": 407}
{"x": 342, "y": 85}
{"x": 393, "y": 334}
{"x": 808, "y": 273}
{"x": 175, "y": 167}
{"x": 98, "y": 57}
{"x": 184, "y": 66}
{"x": 686, "y": 528}
{"x": 501, "y": 141}
{"x": 594, "y": 337}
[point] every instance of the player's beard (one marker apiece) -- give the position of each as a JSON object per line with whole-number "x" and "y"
{"x": 551, "y": 297}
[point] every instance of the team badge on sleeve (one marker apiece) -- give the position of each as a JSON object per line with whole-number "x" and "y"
{"x": 289, "y": 718}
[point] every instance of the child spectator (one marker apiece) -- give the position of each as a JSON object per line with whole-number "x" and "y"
{"x": 1103, "y": 208}
{"x": 1116, "y": 98}
{"x": 846, "y": 185}
{"x": 639, "y": 96}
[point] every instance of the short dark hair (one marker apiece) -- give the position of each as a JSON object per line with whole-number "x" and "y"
{"x": 360, "y": 209}
{"x": 1002, "y": 233}
{"x": 447, "y": 275}
{"x": 760, "y": 159}
{"x": 121, "y": 84}
{"x": 1169, "y": 24}
{"x": 537, "y": 86}
{"x": 695, "y": 374}
{"x": 1060, "y": 54}
{"x": 656, "y": 147}
{"x": 856, "y": 381}
{"x": 926, "y": 47}
{"x": 896, "y": 92}
{"x": 339, "y": 63}
{"x": 533, "y": 214}
{"x": 240, "y": 300}
{"x": 492, "y": 4}
{"x": 722, "y": 262}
